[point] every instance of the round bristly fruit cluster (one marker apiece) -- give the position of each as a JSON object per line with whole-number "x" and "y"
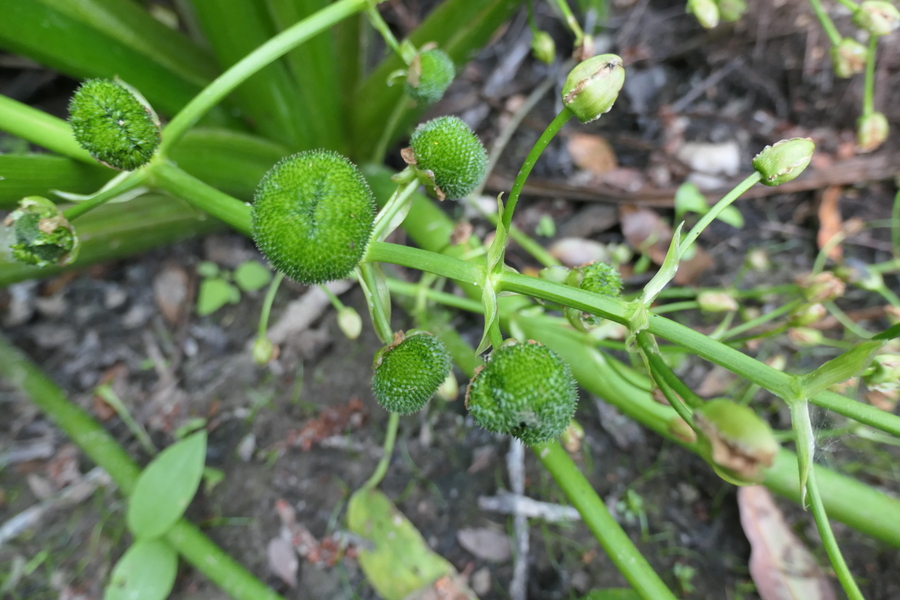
{"x": 525, "y": 390}
{"x": 449, "y": 153}
{"x": 409, "y": 371}
{"x": 313, "y": 216}
{"x": 114, "y": 124}
{"x": 429, "y": 76}
{"x": 41, "y": 234}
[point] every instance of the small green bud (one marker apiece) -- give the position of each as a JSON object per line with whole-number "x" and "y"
{"x": 599, "y": 278}
{"x": 350, "y": 322}
{"x": 430, "y": 74}
{"x": 450, "y": 155}
{"x": 884, "y": 373}
{"x": 758, "y": 260}
{"x": 525, "y": 390}
{"x": 819, "y": 287}
{"x": 313, "y": 216}
{"x": 42, "y": 235}
{"x": 732, "y": 10}
{"x": 807, "y": 315}
{"x": 783, "y": 161}
{"x": 877, "y": 17}
{"x": 543, "y": 47}
{"x": 872, "y": 131}
{"x": 805, "y": 337}
{"x": 556, "y": 274}
{"x": 706, "y": 11}
{"x": 264, "y": 350}
{"x": 716, "y": 302}
{"x": 739, "y": 443}
{"x": 449, "y": 390}
{"x": 593, "y": 85}
{"x": 848, "y": 58}
{"x": 114, "y": 123}
{"x": 409, "y": 371}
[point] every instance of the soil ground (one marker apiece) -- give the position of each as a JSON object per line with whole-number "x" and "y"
{"x": 106, "y": 322}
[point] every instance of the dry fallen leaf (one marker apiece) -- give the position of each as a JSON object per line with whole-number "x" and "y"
{"x": 715, "y": 383}
{"x": 283, "y": 560}
{"x": 780, "y": 565}
{"x": 591, "y": 153}
{"x": 830, "y": 220}
{"x": 170, "y": 290}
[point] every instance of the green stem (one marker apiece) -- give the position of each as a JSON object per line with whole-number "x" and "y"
{"x": 272, "y": 50}
{"x": 628, "y": 559}
{"x": 398, "y": 202}
{"x": 539, "y": 146}
{"x": 675, "y": 307}
{"x": 895, "y": 230}
{"x": 269, "y": 300}
{"x": 134, "y": 180}
{"x": 378, "y": 23}
{"x": 390, "y": 438}
{"x": 869, "y": 86}
{"x": 388, "y": 134}
{"x": 827, "y": 24}
{"x": 571, "y": 21}
{"x": 335, "y": 301}
{"x": 380, "y": 318}
{"x": 660, "y": 370}
{"x": 110, "y": 397}
{"x": 849, "y": 4}
{"x": 714, "y": 212}
{"x": 846, "y": 321}
{"x": 101, "y": 448}
{"x": 42, "y": 129}
{"x": 226, "y": 208}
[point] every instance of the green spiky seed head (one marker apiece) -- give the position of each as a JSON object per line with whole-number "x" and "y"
{"x": 41, "y": 234}
{"x": 783, "y": 161}
{"x": 599, "y": 278}
{"x": 409, "y": 371}
{"x": 114, "y": 123}
{"x": 524, "y": 390}
{"x": 591, "y": 88}
{"x": 450, "y": 154}
{"x": 736, "y": 441}
{"x": 430, "y": 74}
{"x": 313, "y": 215}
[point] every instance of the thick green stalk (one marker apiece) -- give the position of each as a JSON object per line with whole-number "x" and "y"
{"x": 229, "y": 210}
{"x": 42, "y": 129}
{"x": 869, "y": 87}
{"x": 628, "y": 559}
{"x": 101, "y": 448}
{"x": 252, "y": 63}
{"x": 134, "y": 180}
{"x": 39, "y": 174}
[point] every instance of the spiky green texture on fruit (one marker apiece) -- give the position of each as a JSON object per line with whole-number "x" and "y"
{"x": 409, "y": 371}
{"x": 447, "y": 149}
{"x": 42, "y": 236}
{"x": 429, "y": 76}
{"x": 112, "y": 123}
{"x": 524, "y": 390}
{"x": 313, "y": 216}
{"x": 599, "y": 278}
{"x": 591, "y": 88}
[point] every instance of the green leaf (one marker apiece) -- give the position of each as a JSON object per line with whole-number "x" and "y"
{"x": 489, "y": 303}
{"x": 840, "y": 368}
{"x": 889, "y": 333}
{"x": 145, "y": 572}
{"x": 166, "y": 487}
{"x": 38, "y": 174}
{"x": 732, "y": 216}
{"x": 252, "y": 275}
{"x": 214, "y": 294}
{"x": 396, "y": 559}
{"x": 689, "y": 198}
{"x": 207, "y": 269}
{"x": 613, "y": 594}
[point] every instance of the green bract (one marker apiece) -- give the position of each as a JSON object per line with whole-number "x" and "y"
{"x": 524, "y": 390}
{"x": 783, "y": 161}
{"x": 591, "y": 88}
{"x": 429, "y": 76}
{"x": 447, "y": 151}
{"x": 313, "y": 216}
{"x": 409, "y": 371}
{"x": 114, "y": 124}
{"x": 42, "y": 236}
{"x": 738, "y": 443}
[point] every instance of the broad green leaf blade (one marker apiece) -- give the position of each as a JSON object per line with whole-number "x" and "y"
{"x": 235, "y": 29}
{"x": 166, "y": 487}
{"x": 145, "y": 572}
{"x": 840, "y": 368}
{"x": 396, "y": 559}
{"x": 38, "y": 174}
{"x": 251, "y": 275}
{"x": 889, "y": 333}
{"x": 57, "y": 40}
{"x": 214, "y": 294}
{"x": 131, "y": 25}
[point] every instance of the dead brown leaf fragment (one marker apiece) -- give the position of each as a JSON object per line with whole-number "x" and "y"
{"x": 330, "y": 421}
{"x": 780, "y": 565}
{"x": 830, "y": 223}
{"x": 591, "y": 153}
